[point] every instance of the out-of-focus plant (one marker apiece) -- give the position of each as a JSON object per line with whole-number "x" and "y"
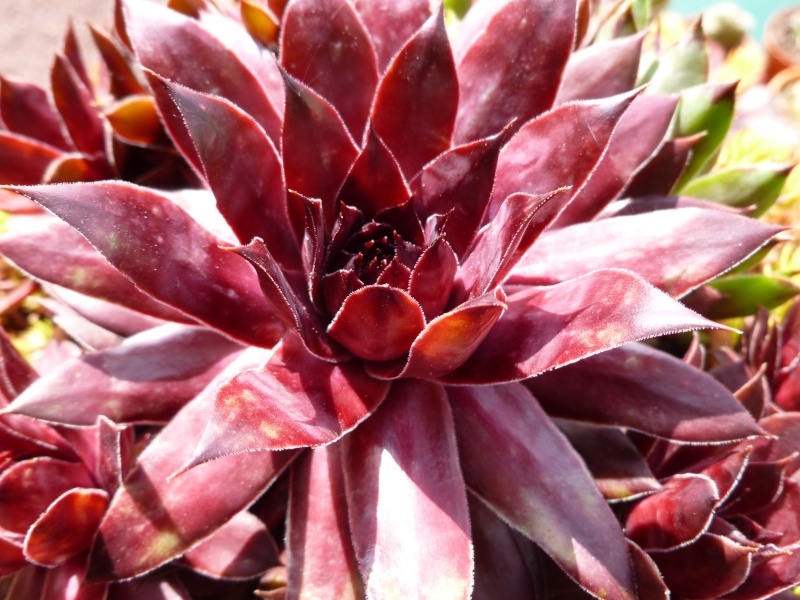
{"x": 398, "y": 329}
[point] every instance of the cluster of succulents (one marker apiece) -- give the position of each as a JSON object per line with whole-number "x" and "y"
{"x": 384, "y": 298}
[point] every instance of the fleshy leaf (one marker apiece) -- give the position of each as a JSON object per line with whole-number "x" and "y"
{"x": 638, "y": 136}
{"x": 378, "y": 323}
{"x": 524, "y": 469}
{"x": 295, "y": 400}
{"x": 527, "y": 43}
{"x": 136, "y": 120}
{"x": 317, "y": 150}
{"x": 391, "y": 23}
{"x": 753, "y": 186}
{"x": 78, "y": 109}
{"x": 153, "y": 519}
{"x": 432, "y": 278}
{"x": 242, "y": 168}
{"x": 66, "y": 528}
{"x": 401, "y": 466}
{"x": 458, "y": 184}
{"x": 325, "y": 45}
{"x": 742, "y": 295}
{"x": 322, "y": 562}
{"x": 674, "y": 516}
{"x": 240, "y": 549}
{"x": 181, "y": 50}
{"x": 26, "y": 110}
{"x": 416, "y": 102}
{"x": 558, "y": 325}
{"x": 683, "y": 65}
{"x": 601, "y": 70}
{"x": 660, "y": 176}
{"x": 147, "y": 378}
{"x": 24, "y": 161}
{"x": 641, "y": 388}
{"x": 660, "y": 247}
{"x": 168, "y": 254}
{"x": 558, "y": 149}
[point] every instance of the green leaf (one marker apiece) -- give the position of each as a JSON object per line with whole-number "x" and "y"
{"x": 741, "y": 295}
{"x": 741, "y": 187}
{"x": 704, "y": 109}
{"x": 681, "y": 66}
{"x": 641, "y": 11}
{"x": 458, "y": 7}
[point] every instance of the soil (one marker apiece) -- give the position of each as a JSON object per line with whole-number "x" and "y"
{"x": 31, "y": 32}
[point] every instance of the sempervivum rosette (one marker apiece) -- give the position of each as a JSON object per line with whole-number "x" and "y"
{"x": 414, "y": 226}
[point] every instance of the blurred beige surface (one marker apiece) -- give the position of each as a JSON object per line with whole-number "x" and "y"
{"x": 31, "y": 31}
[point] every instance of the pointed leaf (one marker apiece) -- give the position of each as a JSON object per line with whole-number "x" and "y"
{"x": 458, "y": 184}
{"x": 638, "y": 136}
{"x": 123, "y": 76}
{"x": 662, "y": 247}
{"x": 24, "y": 161}
{"x": 16, "y": 374}
{"x": 527, "y": 43}
{"x": 683, "y": 65}
{"x": 401, "y": 466}
{"x": 524, "y": 469}
{"x": 432, "y": 278}
{"x": 240, "y": 549}
{"x": 66, "y": 528}
{"x": 550, "y": 327}
{"x": 180, "y": 49}
{"x": 559, "y": 149}
{"x": 755, "y": 186}
{"x": 391, "y": 23}
{"x": 743, "y": 295}
{"x": 167, "y": 254}
{"x": 641, "y": 388}
{"x": 322, "y": 562}
{"x": 325, "y": 45}
{"x": 311, "y": 122}
{"x": 78, "y": 109}
{"x": 26, "y": 110}
{"x": 416, "y": 102}
{"x": 293, "y": 401}
{"x": 153, "y": 519}
{"x": 375, "y": 182}
{"x": 660, "y": 175}
{"x": 147, "y": 378}
{"x": 601, "y": 70}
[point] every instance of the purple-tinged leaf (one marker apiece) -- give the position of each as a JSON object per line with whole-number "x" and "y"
{"x": 15, "y": 372}
{"x": 146, "y": 379}
{"x": 312, "y": 248}
{"x": 240, "y": 549}
{"x": 337, "y": 286}
{"x": 447, "y": 341}
{"x": 660, "y": 247}
{"x": 558, "y": 149}
{"x": 153, "y": 519}
{"x": 375, "y": 182}
{"x": 66, "y": 528}
{"x": 152, "y": 587}
{"x": 26, "y": 110}
{"x": 675, "y": 516}
{"x": 458, "y": 184}
{"x": 166, "y": 253}
{"x": 727, "y": 472}
{"x": 519, "y": 221}
{"x": 390, "y": 23}
{"x": 510, "y": 61}
{"x": 551, "y": 327}
{"x": 649, "y": 583}
{"x": 525, "y": 470}
{"x": 90, "y": 336}
{"x": 321, "y": 560}
{"x": 78, "y": 109}
{"x": 72, "y": 54}
{"x": 416, "y": 102}
{"x": 602, "y": 70}
{"x": 67, "y": 583}
{"x": 293, "y": 401}
{"x": 24, "y": 161}
{"x": 707, "y": 569}
{"x": 660, "y": 175}
{"x": 503, "y": 567}
{"x": 761, "y": 484}
{"x": 641, "y": 388}
{"x": 325, "y": 45}
{"x": 401, "y": 466}
{"x": 768, "y": 576}
{"x": 11, "y": 557}
{"x": 317, "y": 150}
{"x": 432, "y": 278}
{"x": 638, "y": 136}
{"x": 181, "y": 50}
{"x": 395, "y": 275}
{"x": 615, "y": 463}
{"x": 242, "y": 168}
{"x": 378, "y": 323}
{"x": 123, "y": 78}
{"x": 290, "y": 308}
{"x": 29, "y": 487}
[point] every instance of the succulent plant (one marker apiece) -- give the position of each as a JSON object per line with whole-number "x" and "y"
{"x": 409, "y": 283}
